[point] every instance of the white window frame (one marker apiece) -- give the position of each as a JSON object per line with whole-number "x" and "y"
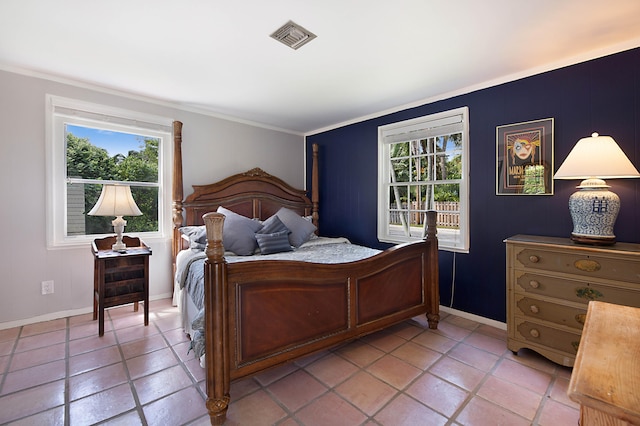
{"x": 61, "y": 111}
{"x": 438, "y": 124}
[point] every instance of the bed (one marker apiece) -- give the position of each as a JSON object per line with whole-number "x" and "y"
{"x": 263, "y": 313}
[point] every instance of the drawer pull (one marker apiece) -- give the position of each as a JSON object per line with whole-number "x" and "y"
{"x": 534, "y": 284}
{"x": 587, "y": 265}
{"x": 580, "y": 318}
{"x": 588, "y": 293}
{"x": 534, "y": 309}
{"x": 534, "y": 333}
{"x": 534, "y": 259}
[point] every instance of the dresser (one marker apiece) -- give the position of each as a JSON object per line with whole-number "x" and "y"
{"x": 550, "y": 282}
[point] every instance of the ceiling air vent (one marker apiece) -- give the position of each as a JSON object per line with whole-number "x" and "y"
{"x": 293, "y": 35}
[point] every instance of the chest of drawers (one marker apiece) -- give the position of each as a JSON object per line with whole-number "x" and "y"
{"x": 551, "y": 280}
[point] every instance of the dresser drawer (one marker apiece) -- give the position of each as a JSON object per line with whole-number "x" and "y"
{"x": 578, "y": 263}
{"x": 568, "y": 316}
{"x": 575, "y": 291}
{"x": 550, "y": 337}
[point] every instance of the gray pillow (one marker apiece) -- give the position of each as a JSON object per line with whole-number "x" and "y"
{"x": 274, "y": 243}
{"x": 301, "y": 229}
{"x": 273, "y": 225}
{"x": 238, "y": 233}
{"x": 197, "y": 236}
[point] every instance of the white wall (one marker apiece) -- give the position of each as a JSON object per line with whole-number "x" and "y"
{"x": 213, "y": 148}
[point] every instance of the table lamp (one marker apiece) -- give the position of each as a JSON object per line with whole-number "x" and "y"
{"x": 116, "y": 200}
{"x": 593, "y": 207}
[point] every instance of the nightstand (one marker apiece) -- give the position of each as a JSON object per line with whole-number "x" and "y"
{"x": 120, "y": 278}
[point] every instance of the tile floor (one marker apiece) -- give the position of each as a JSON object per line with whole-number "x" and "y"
{"x": 61, "y": 372}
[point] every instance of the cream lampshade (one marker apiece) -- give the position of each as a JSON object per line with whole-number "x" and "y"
{"x": 594, "y": 209}
{"x": 116, "y": 200}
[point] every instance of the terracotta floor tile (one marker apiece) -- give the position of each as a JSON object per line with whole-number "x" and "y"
{"x": 508, "y": 395}
{"x": 91, "y": 360}
{"x": 407, "y": 330}
{"x": 458, "y": 373}
{"x": 256, "y": 409}
{"x": 162, "y": 383}
{"x": 132, "y": 418}
{"x": 41, "y": 340}
{"x": 559, "y": 392}
{"x": 474, "y": 357}
{"x": 43, "y": 327}
{"x": 394, "y": 371}
{"x": 461, "y": 322}
{"x": 360, "y": 353}
{"x": 417, "y": 355}
{"x": 366, "y": 392}
{"x": 434, "y": 341}
{"x": 7, "y": 347}
{"x": 404, "y": 411}
{"x": 86, "y": 330}
{"x": 97, "y": 380}
{"x": 270, "y": 376}
{"x": 480, "y": 412}
{"x": 437, "y": 394}
{"x": 9, "y": 334}
{"x": 555, "y": 413}
{"x": 150, "y": 363}
{"x": 143, "y": 346}
{"x": 242, "y": 387}
{"x": 452, "y": 331}
{"x": 385, "y": 341}
{"x": 487, "y": 343}
{"x": 33, "y": 376}
{"x": 30, "y": 401}
{"x": 330, "y": 410}
{"x": 91, "y": 343}
{"x": 53, "y": 417}
{"x": 332, "y": 370}
{"x": 522, "y": 375}
{"x": 297, "y": 389}
{"x": 101, "y": 406}
{"x": 139, "y": 331}
{"x": 195, "y": 370}
{"x": 38, "y": 356}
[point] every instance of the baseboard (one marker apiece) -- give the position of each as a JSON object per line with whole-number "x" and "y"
{"x": 473, "y": 317}
{"x": 64, "y": 314}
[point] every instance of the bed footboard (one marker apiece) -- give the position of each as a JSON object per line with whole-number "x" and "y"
{"x": 261, "y": 314}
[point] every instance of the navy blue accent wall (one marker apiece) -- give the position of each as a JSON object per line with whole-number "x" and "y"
{"x": 601, "y": 95}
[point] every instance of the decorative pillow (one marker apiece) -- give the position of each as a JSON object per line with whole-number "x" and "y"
{"x": 238, "y": 233}
{"x": 301, "y": 229}
{"x": 273, "y": 225}
{"x": 274, "y": 243}
{"x": 197, "y": 236}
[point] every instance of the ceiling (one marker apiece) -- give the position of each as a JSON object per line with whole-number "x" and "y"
{"x": 370, "y": 56}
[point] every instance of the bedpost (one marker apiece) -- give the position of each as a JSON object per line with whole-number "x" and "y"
{"x": 215, "y": 316}
{"x": 315, "y": 196}
{"x": 177, "y": 190}
{"x": 433, "y": 306}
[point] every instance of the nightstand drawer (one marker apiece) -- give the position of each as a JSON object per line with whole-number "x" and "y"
{"x": 568, "y": 316}
{"x": 578, "y": 263}
{"x": 575, "y": 291}
{"x": 547, "y": 336}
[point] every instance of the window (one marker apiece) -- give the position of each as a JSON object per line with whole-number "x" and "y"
{"x": 91, "y": 145}
{"x": 423, "y": 165}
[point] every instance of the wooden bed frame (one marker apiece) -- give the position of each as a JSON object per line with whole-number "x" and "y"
{"x": 261, "y": 314}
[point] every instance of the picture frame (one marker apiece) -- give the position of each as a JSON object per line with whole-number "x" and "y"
{"x": 524, "y": 158}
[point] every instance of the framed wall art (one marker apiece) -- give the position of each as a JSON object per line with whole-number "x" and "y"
{"x": 524, "y": 164}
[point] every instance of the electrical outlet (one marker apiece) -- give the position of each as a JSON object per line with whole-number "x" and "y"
{"x": 47, "y": 287}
